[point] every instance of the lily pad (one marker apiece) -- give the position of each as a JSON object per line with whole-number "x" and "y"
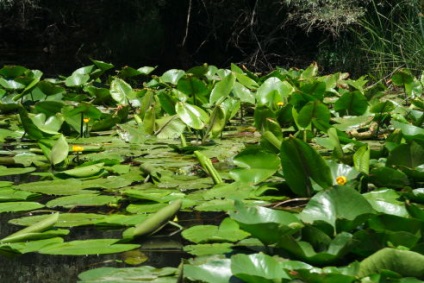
{"x": 88, "y": 247}
{"x": 129, "y": 275}
{"x": 336, "y": 204}
{"x": 19, "y": 206}
{"x": 228, "y": 231}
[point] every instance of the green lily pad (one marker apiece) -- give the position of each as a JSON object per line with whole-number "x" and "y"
{"x": 214, "y": 270}
{"x": 64, "y": 220}
{"x": 88, "y": 247}
{"x": 7, "y": 194}
{"x": 19, "y": 206}
{"x": 129, "y": 275}
{"x": 257, "y": 268}
{"x": 386, "y": 201}
{"x": 336, "y": 204}
{"x": 228, "y": 231}
{"x": 83, "y": 200}
{"x": 208, "y": 249}
{"x": 29, "y": 246}
{"x": 268, "y": 225}
{"x": 5, "y": 171}
{"x": 255, "y": 165}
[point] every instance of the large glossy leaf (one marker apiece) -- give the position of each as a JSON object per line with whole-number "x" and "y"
{"x": 397, "y": 230}
{"x": 388, "y": 177}
{"x": 361, "y": 159}
{"x": 222, "y": 89}
{"x": 243, "y": 93}
{"x": 129, "y": 275}
{"x": 406, "y": 263}
{"x": 268, "y": 225}
{"x": 172, "y": 76}
{"x": 77, "y": 80}
{"x": 255, "y": 165}
{"x": 408, "y": 130}
{"x": 88, "y": 247}
{"x": 386, "y": 201}
{"x": 326, "y": 254}
{"x": 212, "y": 271}
{"x": 59, "y": 151}
{"x": 338, "y": 203}
{"x": 301, "y": 164}
{"x": 272, "y": 91}
{"x": 351, "y": 103}
{"x": 313, "y": 110}
{"x": 192, "y": 115}
{"x": 406, "y": 155}
{"x": 257, "y": 268}
{"x": 121, "y": 91}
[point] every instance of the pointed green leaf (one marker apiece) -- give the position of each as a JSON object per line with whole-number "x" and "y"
{"x": 301, "y": 163}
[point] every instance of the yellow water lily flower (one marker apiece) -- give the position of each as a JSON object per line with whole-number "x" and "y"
{"x": 341, "y": 180}
{"x": 280, "y": 104}
{"x": 86, "y": 120}
{"x": 77, "y": 148}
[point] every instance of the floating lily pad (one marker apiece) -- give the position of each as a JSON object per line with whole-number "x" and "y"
{"x": 5, "y": 171}
{"x": 129, "y": 275}
{"x": 83, "y": 200}
{"x": 88, "y": 247}
{"x": 19, "y": 206}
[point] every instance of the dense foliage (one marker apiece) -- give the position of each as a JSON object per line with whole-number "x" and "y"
{"x": 319, "y": 177}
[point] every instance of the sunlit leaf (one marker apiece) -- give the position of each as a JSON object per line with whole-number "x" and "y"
{"x": 336, "y": 204}
{"x": 19, "y": 206}
{"x": 121, "y": 91}
{"x": 255, "y": 165}
{"x": 211, "y": 271}
{"x": 192, "y": 115}
{"x": 257, "y": 267}
{"x": 88, "y": 247}
{"x": 268, "y": 225}
{"x": 406, "y": 263}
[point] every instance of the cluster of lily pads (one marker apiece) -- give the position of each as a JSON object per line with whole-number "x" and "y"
{"x": 320, "y": 177}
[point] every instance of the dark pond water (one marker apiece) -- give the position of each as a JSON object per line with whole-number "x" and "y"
{"x": 160, "y": 251}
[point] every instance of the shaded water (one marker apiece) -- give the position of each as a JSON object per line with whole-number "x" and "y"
{"x": 160, "y": 251}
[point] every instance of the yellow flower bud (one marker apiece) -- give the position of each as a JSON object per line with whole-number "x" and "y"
{"x": 341, "y": 180}
{"x": 280, "y": 104}
{"x": 86, "y": 120}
